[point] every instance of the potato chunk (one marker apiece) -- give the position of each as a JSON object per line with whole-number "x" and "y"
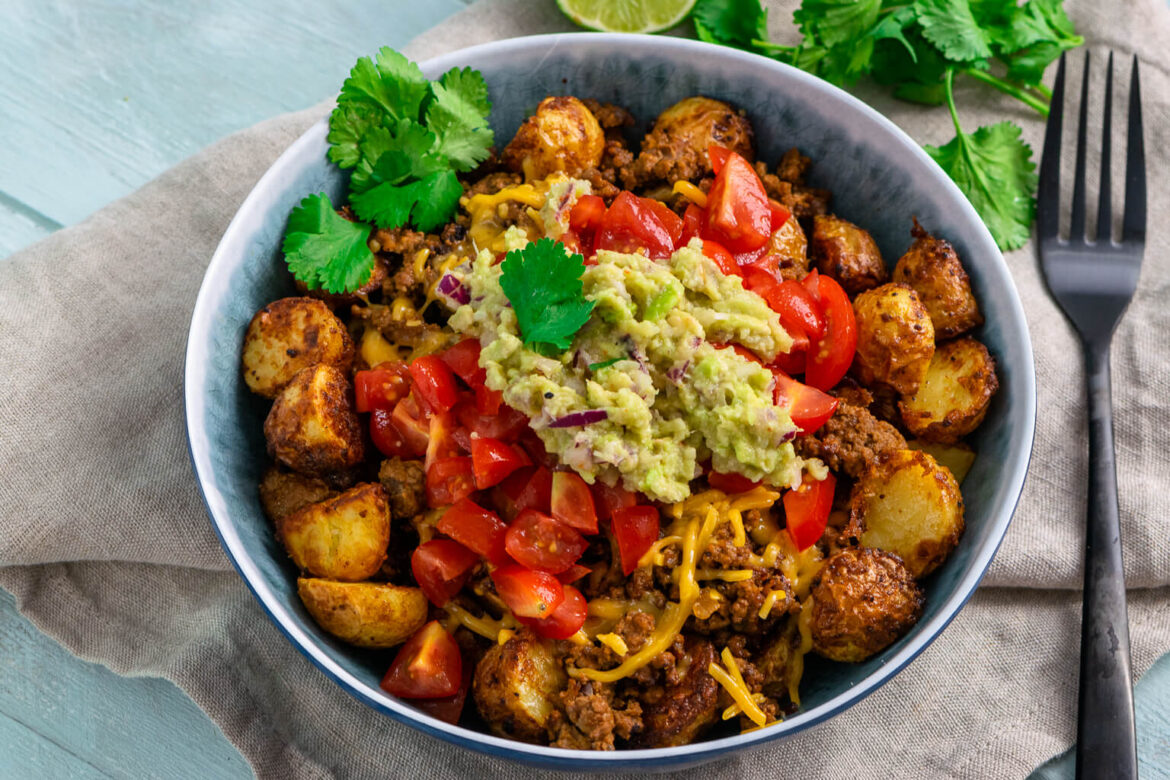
{"x": 895, "y": 339}
{"x": 563, "y": 135}
{"x": 288, "y": 335}
{"x": 847, "y": 253}
{"x": 679, "y": 712}
{"x": 863, "y": 600}
{"x": 953, "y": 398}
{"x": 366, "y": 614}
{"x": 312, "y": 426}
{"x": 515, "y": 687}
{"x": 911, "y": 506}
{"x": 958, "y": 458}
{"x": 676, "y": 147}
{"x": 931, "y": 266}
{"x": 791, "y": 246}
{"x": 282, "y": 492}
{"x": 341, "y": 538}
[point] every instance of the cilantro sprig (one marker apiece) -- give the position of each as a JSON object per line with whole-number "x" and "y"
{"x": 404, "y": 139}
{"x": 543, "y": 284}
{"x": 918, "y": 48}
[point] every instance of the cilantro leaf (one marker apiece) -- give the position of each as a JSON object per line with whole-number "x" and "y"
{"x": 733, "y": 22}
{"x": 386, "y": 205}
{"x": 543, "y": 284}
{"x": 348, "y": 126}
{"x": 393, "y": 83}
{"x": 455, "y": 117}
{"x": 324, "y": 249}
{"x": 438, "y": 195}
{"x": 893, "y": 27}
{"x": 470, "y": 85}
{"x": 950, "y": 25}
{"x": 994, "y": 169}
{"x": 836, "y": 22}
{"x": 427, "y": 202}
{"x": 393, "y": 157}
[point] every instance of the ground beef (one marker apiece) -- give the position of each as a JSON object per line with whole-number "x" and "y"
{"x": 686, "y": 701}
{"x": 723, "y": 553}
{"x": 738, "y": 608}
{"x": 852, "y": 393}
{"x": 850, "y": 440}
{"x": 592, "y": 716}
{"x": 611, "y": 118}
{"x": 405, "y": 334}
{"x": 494, "y": 182}
{"x": 787, "y": 186}
{"x": 405, "y": 482}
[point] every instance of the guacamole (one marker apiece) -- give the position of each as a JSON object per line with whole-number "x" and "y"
{"x": 660, "y": 396}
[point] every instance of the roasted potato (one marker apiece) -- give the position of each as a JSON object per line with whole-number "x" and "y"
{"x": 366, "y": 614}
{"x": 283, "y": 492}
{"x": 791, "y": 246}
{"x": 676, "y": 147}
{"x": 563, "y": 135}
{"x": 863, "y": 600}
{"x": 341, "y": 538}
{"x": 312, "y": 426}
{"x": 911, "y": 506}
{"x": 953, "y": 398}
{"x": 931, "y": 266}
{"x": 957, "y": 458}
{"x": 676, "y": 714}
{"x": 288, "y": 335}
{"x": 516, "y": 685}
{"x": 895, "y": 338}
{"x": 847, "y": 253}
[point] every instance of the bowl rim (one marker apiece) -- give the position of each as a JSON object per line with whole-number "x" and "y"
{"x": 198, "y": 347}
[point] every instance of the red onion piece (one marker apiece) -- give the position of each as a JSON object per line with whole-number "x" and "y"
{"x": 453, "y": 289}
{"x": 574, "y": 419}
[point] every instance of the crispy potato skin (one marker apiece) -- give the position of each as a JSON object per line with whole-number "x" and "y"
{"x": 289, "y": 335}
{"x": 516, "y": 685}
{"x": 312, "y": 427}
{"x": 676, "y": 147}
{"x": 911, "y": 506}
{"x": 931, "y": 266}
{"x": 895, "y": 338}
{"x": 847, "y": 253}
{"x": 953, "y": 398}
{"x": 563, "y": 135}
{"x": 678, "y": 714}
{"x": 863, "y": 600}
{"x": 341, "y": 538}
{"x": 366, "y": 614}
{"x": 283, "y": 492}
{"x": 791, "y": 245}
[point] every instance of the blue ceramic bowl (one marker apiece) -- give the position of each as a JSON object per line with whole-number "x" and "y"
{"x": 879, "y": 178}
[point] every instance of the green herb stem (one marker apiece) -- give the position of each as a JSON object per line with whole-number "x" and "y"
{"x": 1009, "y": 89}
{"x": 949, "y": 89}
{"x": 771, "y": 48}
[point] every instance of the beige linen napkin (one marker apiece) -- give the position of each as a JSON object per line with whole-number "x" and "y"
{"x": 107, "y": 547}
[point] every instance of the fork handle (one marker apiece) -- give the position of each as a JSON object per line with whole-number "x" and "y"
{"x": 1106, "y": 740}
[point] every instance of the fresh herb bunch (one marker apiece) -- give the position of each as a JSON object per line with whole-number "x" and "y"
{"x": 543, "y": 284}
{"x": 918, "y": 48}
{"x": 405, "y": 139}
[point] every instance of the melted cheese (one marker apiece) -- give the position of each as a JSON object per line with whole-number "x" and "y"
{"x": 615, "y": 643}
{"x": 796, "y": 662}
{"x": 376, "y": 349}
{"x": 732, "y": 681}
{"x": 769, "y": 602}
{"x": 487, "y": 627}
{"x": 487, "y": 228}
{"x": 727, "y": 575}
{"x": 691, "y": 193}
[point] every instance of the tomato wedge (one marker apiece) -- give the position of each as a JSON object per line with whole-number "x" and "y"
{"x": 806, "y": 510}
{"x": 526, "y": 488}
{"x": 670, "y": 221}
{"x": 441, "y": 568}
{"x": 492, "y": 460}
{"x": 572, "y": 503}
{"x": 381, "y": 387}
{"x": 573, "y": 573}
{"x": 475, "y": 528}
{"x": 830, "y": 355}
{"x": 528, "y": 593}
{"x": 585, "y": 218}
{"x": 441, "y": 442}
{"x": 386, "y": 436}
{"x": 738, "y": 215}
{"x": 722, "y": 258}
{"x": 434, "y": 382}
{"x": 565, "y": 620}
{"x": 429, "y": 665}
{"x": 631, "y": 224}
{"x": 636, "y": 528}
{"x": 730, "y": 483}
{"x": 449, "y": 480}
{"x": 449, "y": 708}
{"x": 463, "y": 360}
{"x": 411, "y": 422}
{"x": 808, "y": 406}
{"x": 540, "y": 542}
{"x": 610, "y": 499}
{"x": 718, "y": 155}
{"x": 693, "y": 220}
{"x": 506, "y": 425}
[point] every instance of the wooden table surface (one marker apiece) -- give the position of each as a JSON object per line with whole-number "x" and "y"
{"x": 96, "y": 98}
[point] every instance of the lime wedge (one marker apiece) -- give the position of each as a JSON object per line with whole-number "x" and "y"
{"x": 627, "y": 16}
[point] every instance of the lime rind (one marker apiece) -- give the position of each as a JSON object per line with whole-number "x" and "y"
{"x": 626, "y": 16}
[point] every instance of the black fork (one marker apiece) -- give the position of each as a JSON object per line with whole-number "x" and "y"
{"x": 1093, "y": 280}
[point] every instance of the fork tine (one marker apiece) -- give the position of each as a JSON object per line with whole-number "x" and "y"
{"x": 1048, "y": 193}
{"x": 1134, "y": 223}
{"x": 1104, "y": 204}
{"x": 1076, "y": 225}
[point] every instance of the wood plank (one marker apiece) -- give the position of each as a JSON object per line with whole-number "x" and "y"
{"x": 20, "y": 225}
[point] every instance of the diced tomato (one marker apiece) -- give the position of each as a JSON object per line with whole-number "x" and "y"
{"x": 573, "y": 573}
{"x": 722, "y": 258}
{"x": 540, "y": 542}
{"x": 830, "y": 355}
{"x": 806, "y": 510}
{"x": 528, "y": 593}
{"x": 441, "y": 567}
{"x": 610, "y": 499}
{"x": 533, "y": 445}
{"x": 730, "y": 483}
{"x": 780, "y": 214}
{"x": 693, "y": 220}
{"x": 760, "y": 259}
{"x": 386, "y": 436}
{"x": 463, "y": 359}
{"x": 565, "y": 620}
{"x": 449, "y": 480}
{"x": 412, "y": 423}
{"x": 381, "y": 388}
{"x": 636, "y": 528}
{"x": 441, "y": 441}
{"x": 671, "y": 221}
{"x": 475, "y": 528}
{"x": 800, "y": 313}
{"x": 584, "y": 219}
{"x": 505, "y": 425}
{"x": 812, "y": 283}
{"x": 429, "y": 665}
{"x": 488, "y": 401}
{"x": 808, "y": 406}
{"x": 718, "y": 155}
{"x": 793, "y": 361}
{"x": 526, "y": 488}
{"x": 434, "y": 382}
{"x": 492, "y": 460}
{"x": 738, "y": 216}
{"x": 630, "y": 224}
{"x": 572, "y": 503}
{"x": 449, "y": 708}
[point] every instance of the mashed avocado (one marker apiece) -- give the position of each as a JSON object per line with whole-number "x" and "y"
{"x": 648, "y": 358}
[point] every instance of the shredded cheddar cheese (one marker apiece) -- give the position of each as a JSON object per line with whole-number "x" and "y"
{"x": 727, "y": 575}
{"x": 487, "y": 627}
{"x": 691, "y": 193}
{"x": 796, "y": 662}
{"x": 769, "y": 602}
{"x": 732, "y": 681}
{"x": 504, "y": 635}
{"x": 614, "y": 642}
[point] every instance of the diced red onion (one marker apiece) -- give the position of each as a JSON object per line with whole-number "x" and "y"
{"x": 677, "y": 373}
{"x": 574, "y": 419}
{"x": 452, "y": 288}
